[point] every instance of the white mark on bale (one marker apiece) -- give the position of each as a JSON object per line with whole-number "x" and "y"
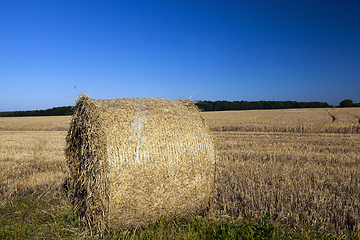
{"x": 136, "y": 129}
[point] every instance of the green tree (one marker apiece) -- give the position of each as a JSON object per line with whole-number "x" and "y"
{"x": 346, "y": 103}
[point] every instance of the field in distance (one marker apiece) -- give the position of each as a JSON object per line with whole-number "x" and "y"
{"x": 300, "y": 165}
{"x": 44, "y": 123}
{"x": 310, "y": 120}
{"x": 247, "y": 120}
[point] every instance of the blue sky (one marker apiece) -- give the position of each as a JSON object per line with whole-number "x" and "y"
{"x": 306, "y": 50}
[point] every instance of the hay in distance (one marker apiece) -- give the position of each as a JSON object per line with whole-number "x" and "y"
{"x": 133, "y": 161}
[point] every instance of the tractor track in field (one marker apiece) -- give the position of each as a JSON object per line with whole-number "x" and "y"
{"x": 333, "y": 118}
{"x": 357, "y": 118}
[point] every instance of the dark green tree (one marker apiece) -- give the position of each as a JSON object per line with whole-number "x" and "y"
{"x": 346, "y": 103}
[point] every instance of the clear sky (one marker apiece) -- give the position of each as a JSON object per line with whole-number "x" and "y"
{"x": 306, "y": 50}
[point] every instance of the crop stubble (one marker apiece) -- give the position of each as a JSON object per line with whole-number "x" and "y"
{"x": 305, "y": 180}
{"x": 31, "y": 161}
{"x": 308, "y": 178}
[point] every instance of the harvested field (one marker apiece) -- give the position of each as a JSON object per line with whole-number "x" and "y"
{"x": 31, "y": 161}
{"x": 316, "y": 120}
{"x": 53, "y": 123}
{"x": 309, "y": 179}
{"x": 305, "y": 180}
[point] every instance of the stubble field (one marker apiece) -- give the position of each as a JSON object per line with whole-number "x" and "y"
{"x": 300, "y": 165}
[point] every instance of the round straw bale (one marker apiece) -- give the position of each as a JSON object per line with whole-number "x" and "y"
{"x": 134, "y": 161}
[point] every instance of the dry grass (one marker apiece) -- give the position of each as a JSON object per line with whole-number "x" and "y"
{"x": 307, "y": 179}
{"x": 55, "y": 123}
{"x": 334, "y": 120}
{"x": 31, "y": 160}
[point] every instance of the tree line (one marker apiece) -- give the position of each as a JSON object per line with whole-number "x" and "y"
{"x": 202, "y": 105}
{"x": 56, "y": 111}
{"x": 245, "y": 105}
{"x": 348, "y": 103}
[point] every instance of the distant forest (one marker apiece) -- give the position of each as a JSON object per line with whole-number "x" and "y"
{"x": 56, "y": 111}
{"x": 245, "y": 105}
{"x": 202, "y": 105}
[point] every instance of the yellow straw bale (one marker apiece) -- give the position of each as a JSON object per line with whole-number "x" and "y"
{"x": 134, "y": 161}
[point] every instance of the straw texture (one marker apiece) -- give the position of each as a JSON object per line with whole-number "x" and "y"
{"x": 134, "y": 161}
